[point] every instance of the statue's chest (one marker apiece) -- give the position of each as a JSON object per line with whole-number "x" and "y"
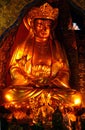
{"x": 42, "y": 55}
{"x": 41, "y": 60}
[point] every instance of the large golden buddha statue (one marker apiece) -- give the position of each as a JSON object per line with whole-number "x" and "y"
{"x": 38, "y": 67}
{"x": 39, "y": 60}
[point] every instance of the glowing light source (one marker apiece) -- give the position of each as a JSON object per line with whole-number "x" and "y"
{"x": 8, "y": 97}
{"x": 75, "y": 26}
{"x": 77, "y": 99}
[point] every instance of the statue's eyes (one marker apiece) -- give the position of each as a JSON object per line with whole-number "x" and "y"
{"x": 42, "y": 23}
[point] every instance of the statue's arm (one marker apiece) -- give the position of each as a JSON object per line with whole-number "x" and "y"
{"x": 62, "y": 77}
{"x": 61, "y": 67}
{"x": 17, "y": 66}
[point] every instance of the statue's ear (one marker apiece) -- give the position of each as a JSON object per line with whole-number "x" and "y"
{"x": 27, "y": 22}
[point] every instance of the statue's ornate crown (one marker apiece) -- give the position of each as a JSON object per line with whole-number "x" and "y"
{"x": 44, "y": 11}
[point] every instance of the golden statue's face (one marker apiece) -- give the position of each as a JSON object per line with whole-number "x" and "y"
{"x": 42, "y": 28}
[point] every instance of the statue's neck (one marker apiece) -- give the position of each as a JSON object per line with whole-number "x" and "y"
{"x": 41, "y": 40}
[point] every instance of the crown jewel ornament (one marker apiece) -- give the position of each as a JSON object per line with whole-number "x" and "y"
{"x": 45, "y": 11}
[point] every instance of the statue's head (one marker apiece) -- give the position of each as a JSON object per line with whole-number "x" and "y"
{"x": 42, "y": 28}
{"x": 40, "y": 19}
